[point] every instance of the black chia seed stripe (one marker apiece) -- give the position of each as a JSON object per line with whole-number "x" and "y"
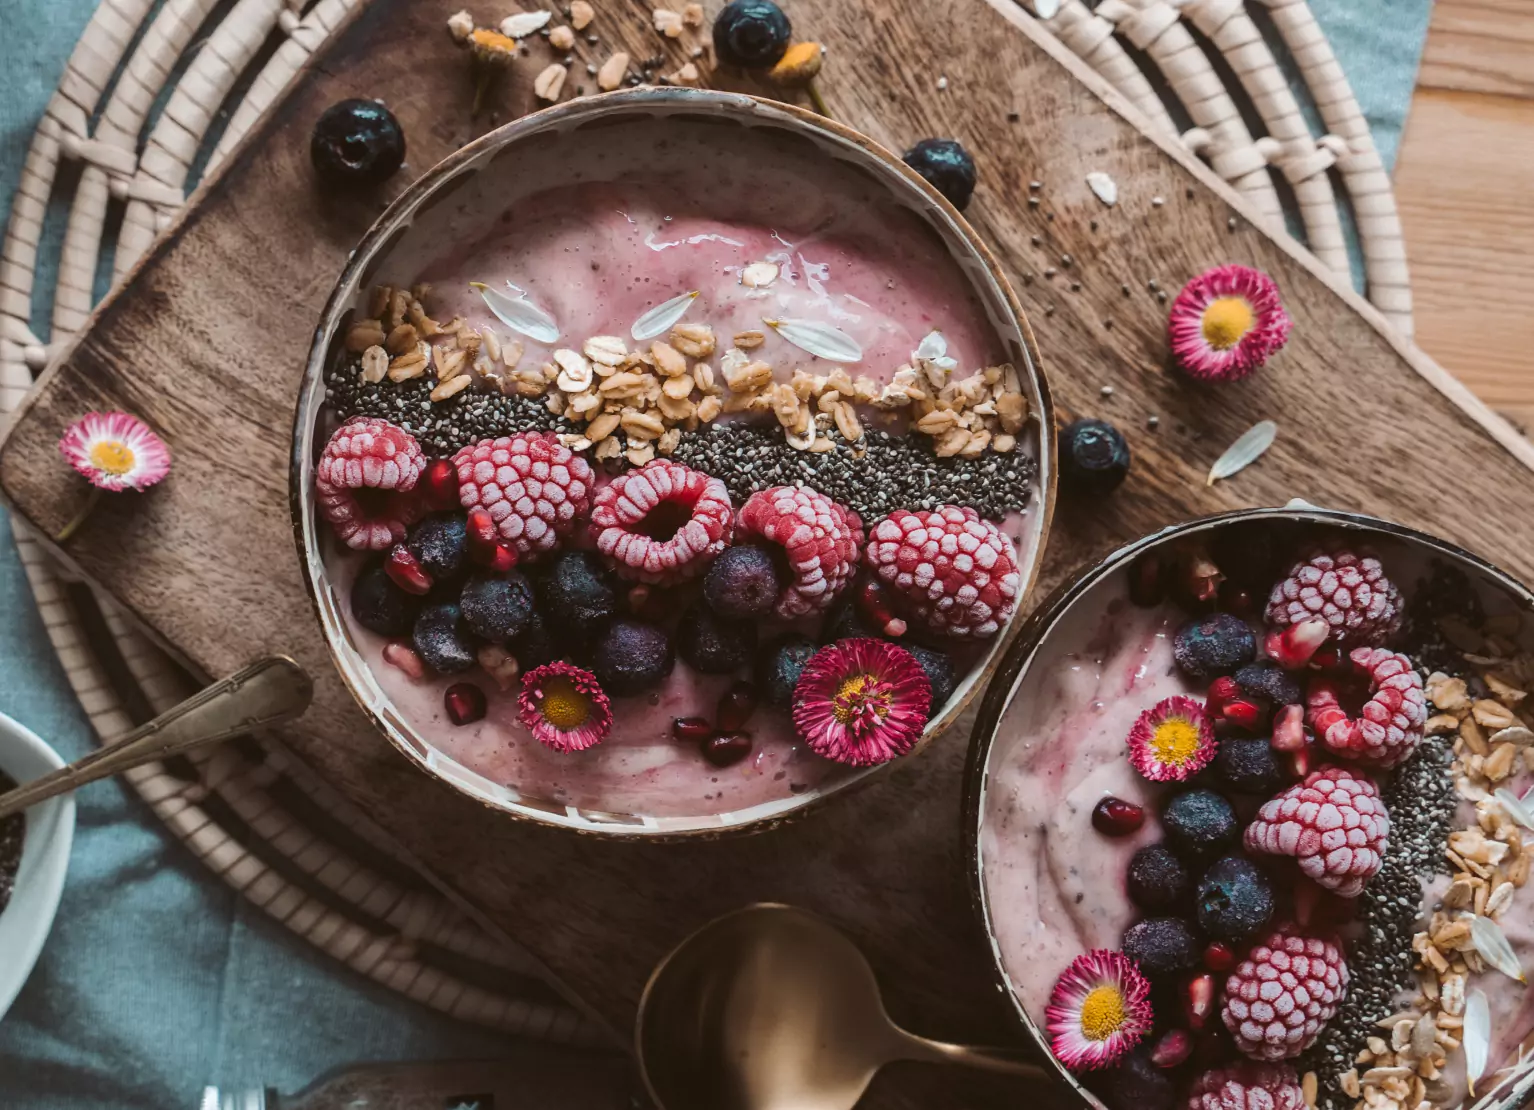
{"x": 893, "y": 472}
{"x": 1421, "y": 800}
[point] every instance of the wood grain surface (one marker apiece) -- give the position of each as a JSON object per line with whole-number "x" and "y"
{"x": 208, "y": 337}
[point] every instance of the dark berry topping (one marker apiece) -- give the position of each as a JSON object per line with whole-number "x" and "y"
{"x": 1093, "y": 457}
{"x": 1135, "y": 1084}
{"x": 947, "y": 166}
{"x": 1116, "y": 817}
{"x": 379, "y": 605}
{"x": 439, "y": 544}
{"x": 736, "y": 706}
{"x": 497, "y": 608}
{"x": 464, "y": 702}
{"x": 1199, "y": 824}
{"x": 1147, "y": 581}
{"x": 778, "y": 668}
{"x": 535, "y": 646}
{"x": 575, "y": 595}
{"x": 441, "y": 639}
{"x": 727, "y": 748}
{"x": 710, "y": 644}
{"x": 844, "y": 622}
{"x": 1214, "y": 645}
{"x": 1163, "y": 946}
{"x": 1233, "y": 900}
{"x": 752, "y": 34}
{"x": 940, "y": 673}
{"x": 1157, "y": 881}
{"x": 632, "y": 657}
{"x": 743, "y": 582}
{"x": 357, "y": 142}
{"x": 1248, "y": 765}
{"x": 1266, "y": 679}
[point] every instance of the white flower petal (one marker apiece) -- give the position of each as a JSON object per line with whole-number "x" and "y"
{"x": 1244, "y": 452}
{"x": 519, "y": 313}
{"x": 820, "y": 340}
{"x": 662, "y": 317}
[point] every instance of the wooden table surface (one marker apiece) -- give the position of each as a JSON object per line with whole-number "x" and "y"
{"x": 1465, "y": 183}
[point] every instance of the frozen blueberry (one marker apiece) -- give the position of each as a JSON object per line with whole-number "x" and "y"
{"x": 1162, "y": 946}
{"x": 1135, "y": 1083}
{"x": 632, "y": 657}
{"x": 1157, "y": 880}
{"x": 1093, "y": 457}
{"x": 711, "y": 644}
{"x": 752, "y": 34}
{"x": 576, "y": 599}
{"x": 379, "y": 605}
{"x": 1266, "y": 679}
{"x": 441, "y": 639}
{"x": 357, "y": 142}
{"x": 939, "y": 669}
{"x": 440, "y": 544}
{"x": 497, "y": 608}
{"x": 947, "y": 166}
{"x": 778, "y": 667}
{"x": 743, "y": 582}
{"x": 1234, "y": 900}
{"x": 535, "y": 646}
{"x": 1199, "y": 824}
{"x": 1214, "y": 645}
{"x": 844, "y": 622}
{"x": 1248, "y": 765}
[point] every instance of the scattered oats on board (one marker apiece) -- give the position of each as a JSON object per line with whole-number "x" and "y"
{"x": 610, "y": 76}
{"x": 549, "y": 83}
{"x": 581, "y": 15}
{"x": 562, "y": 38}
{"x": 1105, "y": 188}
{"x": 521, "y": 24}
{"x": 668, "y": 22}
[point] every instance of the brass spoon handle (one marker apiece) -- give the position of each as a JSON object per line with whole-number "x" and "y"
{"x": 267, "y": 692}
{"x": 1007, "y": 1061}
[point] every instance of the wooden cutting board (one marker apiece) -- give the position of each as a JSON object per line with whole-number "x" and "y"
{"x": 207, "y": 340}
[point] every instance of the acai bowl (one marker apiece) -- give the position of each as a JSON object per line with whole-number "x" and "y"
{"x": 1248, "y": 803}
{"x": 667, "y": 462}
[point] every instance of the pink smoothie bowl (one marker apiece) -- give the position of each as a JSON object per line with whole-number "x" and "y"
{"x": 529, "y": 156}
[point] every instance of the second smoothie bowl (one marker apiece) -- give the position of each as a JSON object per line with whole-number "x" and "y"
{"x": 668, "y": 461}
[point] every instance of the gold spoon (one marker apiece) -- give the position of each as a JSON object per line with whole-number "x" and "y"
{"x": 267, "y": 692}
{"x": 771, "y": 1008}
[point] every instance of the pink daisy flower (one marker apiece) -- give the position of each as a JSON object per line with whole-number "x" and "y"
{"x": 1226, "y": 323}
{"x": 1099, "y": 1010}
{"x": 1172, "y": 741}
{"x": 565, "y": 707}
{"x": 862, "y": 702}
{"x": 115, "y": 451}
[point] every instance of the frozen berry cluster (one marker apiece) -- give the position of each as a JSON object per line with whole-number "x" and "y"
{"x": 1265, "y": 793}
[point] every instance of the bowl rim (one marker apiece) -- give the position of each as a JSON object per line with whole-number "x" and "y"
{"x": 44, "y": 860}
{"x": 777, "y": 114}
{"x": 1036, "y": 630}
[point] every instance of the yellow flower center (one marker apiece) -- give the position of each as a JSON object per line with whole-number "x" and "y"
{"x": 1102, "y": 1013}
{"x": 1175, "y": 741}
{"x": 491, "y": 42}
{"x": 564, "y": 706}
{"x": 112, "y": 456}
{"x": 858, "y": 697}
{"x": 1226, "y": 320}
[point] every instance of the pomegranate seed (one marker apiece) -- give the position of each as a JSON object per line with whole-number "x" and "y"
{"x": 1221, "y": 691}
{"x": 481, "y": 528}
{"x": 498, "y": 558}
{"x": 874, "y": 603}
{"x": 1289, "y": 729}
{"x": 736, "y": 706}
{"x": 500, "y": 665}
{"x": 1145, "y": 586}
{"x": 406, "y": 572}
{"x": 1219, "y": 956}
{"x": 727, "y": 748}
{"x": 1238, "y": 600}
{"x": 465, "y": 703}
{"x": 1172, "y": 1049}
{"x": 1301, "y": 762}
{"x": 1200, "y": 1000}
{"x": 402, "y": 655}
{"x": 439, "y": 485}
{"x": 691, "y": 730}
{"x": 1116, "y": 817}
{"x": 1327, "y": 659}
{"x": 1243, "y": 714}
{"x": 1296, "y": 645}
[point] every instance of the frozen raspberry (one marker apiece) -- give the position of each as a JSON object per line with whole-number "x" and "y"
{"x": 1283, "y": 994}
{"x": 955, "y": 573}
{"x": 1248, "y": 1087}
{"x": 819, "y": 537}
{"x": 535, "y": 489}
{"x": 662, "y": 523}
{"x": 362, "y": 473}
{"x": 1389, "y": 726}
{"x": 1333, "y": 824}
{"x": 1350, "y": 592}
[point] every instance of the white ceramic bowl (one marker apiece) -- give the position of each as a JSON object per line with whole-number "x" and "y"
{"x": 25, "y": 921}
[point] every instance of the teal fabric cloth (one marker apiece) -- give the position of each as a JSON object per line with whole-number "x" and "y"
{"x": 157, "y": 978}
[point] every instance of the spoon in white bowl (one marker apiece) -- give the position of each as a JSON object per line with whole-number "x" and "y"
{"x": 267, "y": 692}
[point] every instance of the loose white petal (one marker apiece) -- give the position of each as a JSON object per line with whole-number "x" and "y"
{"x": 1517, "y": 809}
{"x": 518, "y": 313}
{"x": 1477, "y": 1036}
{"x": 932, "y": 346}
{"x": 1244, "y": 452}
{"x": 1105, "y": 187}
{"x": 1491, "y": 942}
{"x": 522, "y": 24}
{"x": 662, "y": 317}
{"x": 820, "y": 340}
